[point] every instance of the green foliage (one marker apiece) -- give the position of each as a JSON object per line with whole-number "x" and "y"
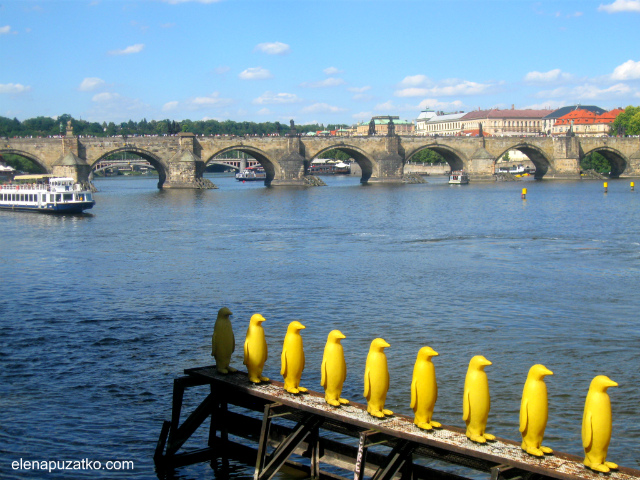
{"x": 336, "y": 154}
{"x": 47, "y": 126}
{"x": 595, "y": 161}
{"x": 627, "y": 122}
{"x": 428, "y": 156}
{"x": 22, "y": 164}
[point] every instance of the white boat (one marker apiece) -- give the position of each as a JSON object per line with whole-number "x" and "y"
{"x": 45, "y": 193}
{"x": 458, "y": 177}
{"x": 251, "y": 174}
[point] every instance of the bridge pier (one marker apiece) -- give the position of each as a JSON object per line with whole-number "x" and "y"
{"x": 291, "y": 163}
{"x": 482, "y": 166}
{"x": 566, "y": 162}
{"x": 185, "y": 168}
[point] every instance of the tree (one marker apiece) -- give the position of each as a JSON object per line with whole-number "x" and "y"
{"x": 628, "y": 122}
{"x": 597, "y": 162}
{"x": 428, "y": 156}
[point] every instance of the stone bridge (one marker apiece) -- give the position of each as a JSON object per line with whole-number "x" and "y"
{"x": 181, "y": 160}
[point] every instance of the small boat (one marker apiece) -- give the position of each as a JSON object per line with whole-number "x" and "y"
{"x": 458, "y": 177}
{"x": 251, "y": 174}
{"x": 46, "y": 194}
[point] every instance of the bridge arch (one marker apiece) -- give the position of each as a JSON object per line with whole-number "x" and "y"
{"x": 616, "y": 159}
{"x": 363, "y": 160}
{"x": 262, "y": 158}
{"x": 535, "y": 154}
{"x": 148, "y": 156}
{"x": 27, "y": 155}
{"x": 456, "y": 159}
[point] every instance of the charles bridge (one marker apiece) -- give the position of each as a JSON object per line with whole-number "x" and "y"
{"x": 181, "y": 160}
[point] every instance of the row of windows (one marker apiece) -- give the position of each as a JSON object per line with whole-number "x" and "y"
{"x": 33, "y": 197}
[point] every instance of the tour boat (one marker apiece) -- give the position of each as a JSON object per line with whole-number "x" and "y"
{"x": 45, "y": 193}
{"x": 458, "y": 177}
{"x": 251, "y": 174}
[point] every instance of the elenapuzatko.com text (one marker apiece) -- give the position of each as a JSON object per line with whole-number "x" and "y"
{"x": 84, "y": 464}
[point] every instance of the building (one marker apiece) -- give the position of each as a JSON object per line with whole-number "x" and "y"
{"x": 498, "y": 122}
{"x": 550, "y": 120}
{"x": 444, "y": 124}
{"x": 421, "y": 121}
{"x": 585, "y": 123}
{"x": 402, "y": 127}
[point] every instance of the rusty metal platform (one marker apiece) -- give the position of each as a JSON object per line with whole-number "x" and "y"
{"x": 502, "y": 458}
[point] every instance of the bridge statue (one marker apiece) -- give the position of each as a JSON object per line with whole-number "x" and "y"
{"x": 292, "y": 132}
{"x": 372, "y": 127}
{"x": 391, "y": 128}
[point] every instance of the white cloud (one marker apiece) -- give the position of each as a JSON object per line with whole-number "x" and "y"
{"x": 169, "y": 106}
{"x": 621, "y": 6}
{"x": 362, "y": 97}
{"x": 329, "y": 82}
{"x": 414, "y": 80}
{"x": 264, "y": 111}
{"x": 448, "y": 88}
{"x": 222, "y": 70}
{"x": 276, "y": 98}
{"x": 274, "y": 48}
{"x": 255, "y": 73}
{"x": 210, "y": 101}
{"x": 13, "y": 88}
{"x": 322, "y": 108}
{"x": 546, "y": 77}
{"x": 587, "y": 92}
{"x": 137, "y": 48}
{"x": 106, "y": 97}
{"x": 629, "y": 70}
{"x": 434, "y": 104}
{"x": 6, "y": 30}
{"x": 362, "y": 116}
{"x": 90, "y": 84}
{"x": 331, "y": 71}
{"x": 359, "y": 89}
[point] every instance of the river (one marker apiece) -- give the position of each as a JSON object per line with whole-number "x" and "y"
{"x": 100, "y": 312}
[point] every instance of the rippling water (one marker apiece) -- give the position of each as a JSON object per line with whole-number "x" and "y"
{"x": 99, "y": 313}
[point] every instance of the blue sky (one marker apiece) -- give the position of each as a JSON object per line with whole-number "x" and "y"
{"x": 312, "y": 61}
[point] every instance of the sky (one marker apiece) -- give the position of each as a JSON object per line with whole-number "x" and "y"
{"x": 328, "y": 62}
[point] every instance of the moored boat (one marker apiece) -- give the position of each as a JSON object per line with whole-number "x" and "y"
{"x": 251, "y": 174}
{"x": 46, "y": 194}
{"x": 458, "y": 177}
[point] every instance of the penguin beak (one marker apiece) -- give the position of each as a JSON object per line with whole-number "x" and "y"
{"x": 341, "y": 336}
{"x": 486, "y": 362}
{"x": 610, "y": 383}
{"x": 385, "y": 345}
{"x": 546, "y": 371}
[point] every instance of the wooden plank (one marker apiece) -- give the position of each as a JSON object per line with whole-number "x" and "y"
{"x": 448, "y": 439}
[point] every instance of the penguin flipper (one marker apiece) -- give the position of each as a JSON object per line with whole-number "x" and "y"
{"x": 465, "y": 406}
{"x": 283, "y": 359}
{"x": 587, "y": 432}
{"x": 367, "y": 386}
{"x": 524, "y": 415}
{"x": 414, "y": 394}
{"x": 213, "y": 344}
{"x": 233, "y": 342}
{"x": 246, "y": 353}
{"x": 323, "y": 369}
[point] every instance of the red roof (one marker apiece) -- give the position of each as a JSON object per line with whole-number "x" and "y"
{"x": 495, "y": 113}
{"x": 585, "y": 117}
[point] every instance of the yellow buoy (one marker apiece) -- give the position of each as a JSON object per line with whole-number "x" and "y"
{"x": 606, "y": 186}
{"x": 524, "y": 193}
{"x": 633, "y": 185}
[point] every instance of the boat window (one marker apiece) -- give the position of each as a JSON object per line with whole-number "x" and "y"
{"x": 88, "y": 197}
{"x": 58, "y": 197}
{"x": 80, "y": 197}
{"x": 68, "y": 197}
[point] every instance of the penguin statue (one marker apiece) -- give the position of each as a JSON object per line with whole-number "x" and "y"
{"x": 293, "y": 358}
{"x": 424, "y": 389}
{"x": 534, "y": 411}
{"x": 476, "y": 400}
{"x": 596, "y": 425}
{"x": 223, "y": 343}
{"x": 376, "y": 379}
{"x": 255, "y": 349}
{"x": 334, "y": 369}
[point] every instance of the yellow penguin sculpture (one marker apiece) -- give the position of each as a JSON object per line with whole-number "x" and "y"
{"x": 424, "y": 389}
{"x": 255, "y": 349}
{"x": 476, "y": 401}
{"x": 334, "y": 369}
{"x": 293, "y": 358}
{"x": 534, "y": 411}
{"x": 376, "y": 379}
{"x": 596, "y": 425}
{"x": 223, "y": 343}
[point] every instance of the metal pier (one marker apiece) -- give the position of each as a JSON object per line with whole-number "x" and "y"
{"x": 322, "y": 435}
